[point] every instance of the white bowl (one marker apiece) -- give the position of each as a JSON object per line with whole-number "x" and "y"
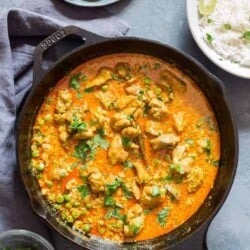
{"x": 193, "y": 22}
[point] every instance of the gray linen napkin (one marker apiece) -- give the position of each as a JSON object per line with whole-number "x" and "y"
{"x": 20, "y": 31}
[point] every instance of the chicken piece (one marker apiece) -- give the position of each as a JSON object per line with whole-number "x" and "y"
{"x": 131, "y": 132}
{"x": 96, "y": 181}
{"x": 127, "y": 101}
{"x": 152, "y": 196}
{"x": 63, "y": 134}
{"x": 133, "y": 90}
{"x": 64, "y": 101}
{"x": 195, "y": 179}
{"x": 135, "y": 221}
{"x": 88, "y": 133}
{"x": 123, "y": 69}
{"x": 71, "y": 184}
{"x": 186, "y": 163}
{"x": 157, "y": 108}
{"x": 101, "y": 118}
{"x": 141, "y": 172}
{"x": 120, "y": 121}
{"x": 106, "y": 98}
{"x": 103, "y": 75}
{"x": 164, "y": 140}
{"x": 178, "y": 153}
{"x": 174, "y": 192}
{"x": 179, "y": 121}
{"x": 136, "y": 190}
{"x": 153, "y": 128}
{"x": 116, "y": 152}
{"x": 179, "y": 157}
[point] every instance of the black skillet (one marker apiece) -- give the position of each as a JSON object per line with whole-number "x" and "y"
{"x": 190, "y": 235}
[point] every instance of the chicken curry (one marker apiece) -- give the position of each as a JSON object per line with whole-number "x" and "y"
{"x": 125, "y": 147}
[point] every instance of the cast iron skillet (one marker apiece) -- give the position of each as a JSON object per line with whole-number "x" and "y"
{"x": 191, "y": 234}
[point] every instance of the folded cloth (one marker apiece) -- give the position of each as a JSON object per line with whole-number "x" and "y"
{"x": 20, "y": 31}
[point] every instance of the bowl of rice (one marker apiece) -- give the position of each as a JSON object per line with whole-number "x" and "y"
{"x": 221, "y": 29}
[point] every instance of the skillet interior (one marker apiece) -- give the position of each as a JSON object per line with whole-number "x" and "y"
{"x": 209, "y": 85}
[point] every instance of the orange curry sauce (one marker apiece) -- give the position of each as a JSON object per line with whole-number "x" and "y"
{"x": 125, "y": 147}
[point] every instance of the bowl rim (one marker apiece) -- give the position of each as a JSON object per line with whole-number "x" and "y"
{"x": 226, "y": 65}
{"x": 29, "y": 234}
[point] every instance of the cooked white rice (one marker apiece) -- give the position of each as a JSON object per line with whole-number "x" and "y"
{"x": 224, "y": 28}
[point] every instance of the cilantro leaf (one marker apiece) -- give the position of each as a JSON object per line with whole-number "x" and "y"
{"x": 84, "y": 190}
{"x": 155, "y": 191}
{"x": 126, "y": 142}
{"x": 109, "y": 201}
{"x": 115, "y": 213}
{"x": 128, "y": 164}
{"x": 209, "y": 38}
{"x": 112, "y": 187}
{"x": 246, "y": 36}
{"x": 162, "y": 216}
{"x": 78, "y": 125}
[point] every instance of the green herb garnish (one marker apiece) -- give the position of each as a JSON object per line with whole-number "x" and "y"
{"x": 78, "y": 125}
{"x": 155, "y": 191}
{"x": 162, "y": 216}
{"x": 128, "y": 164}
{"x": 113, "y": 187}
{"x": 209, "y": 38}
{"x": 227, "y": 26}
{"x": 126, "y": 142}
{"x": 115, "y": 213}
{"x": 84, "y": 190}
{"x": 189, "y": 141}
{"x": 246, "y": 36}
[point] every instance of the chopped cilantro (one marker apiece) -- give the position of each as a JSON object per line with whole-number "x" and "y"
{"x": 89, "y": 90}
{"x": 189, "y": 141}
{"x": 140, "y": 95}
{"x": 127, "y": 192}
{"x": 213, "y": 162}
{"x": 126, "y": 142}
{"x": 115, "y": 213}
{"x": 155, "y": 191}
{"x": 209, "y": 38}
{"x": 207, "y": 147}
{"x": 82, "y": 150}
{"x": 109, "y": 201}
{"x": 78, "y": 125}
{"x": 157, "y": 66}
{"x": 167, "y": 178}
{"x": 162, "y": 216}
{"x": 246, "y": 36}
{"x": 146, "y": 109}
{"x": 86, "y": 149}
{"x": 177, "y": 168}
{"x": 128, "y": 164}
{"x": 84, "y": 190}
{"x": 227, "y": 26}
{"x": 135, "y": 227}
{"x": 112, "y": 187}
{"x": 209, "y": 20}
{"x": 147, "y": 211}
{"x": 130, "y": 117}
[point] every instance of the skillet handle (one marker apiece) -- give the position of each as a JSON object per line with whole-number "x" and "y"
{"x": 87, "y": 37}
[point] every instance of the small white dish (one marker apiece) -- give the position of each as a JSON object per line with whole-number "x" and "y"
{"x": 91, "y": 3}
{"x": 193, "y": 22}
